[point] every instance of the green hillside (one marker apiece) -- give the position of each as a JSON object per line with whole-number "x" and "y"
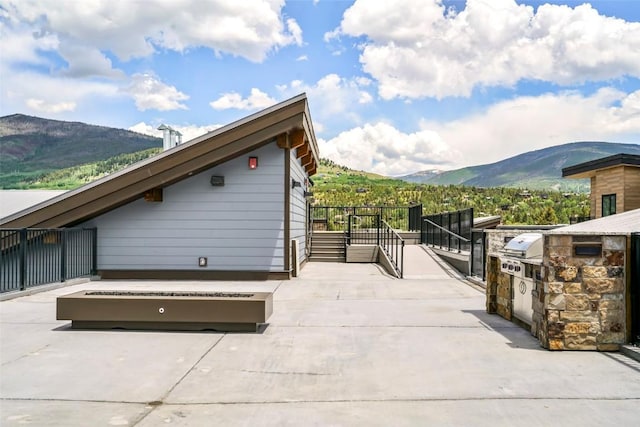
{"x": 76, "y": 176}
{"x": 339, "y": 186}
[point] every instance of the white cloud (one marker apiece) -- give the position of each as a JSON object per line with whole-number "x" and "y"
{"x": 188, "y": 132}
{"x": 42, "y": 106}
{"x": 529, "y": 123}
{"x": 87, "y": 62}
{"x": 419, "y": 49}
{"x": 332, "y": 96}
{"x": 21, "y": 45}
{"x": 255, "y": 101}
{"x": 35, "y": 93}
{"x": 150, "y": 93}
{"x": 302, "y": 58}
{"x": 505, "y": 129}
{"x": 383, "y": 149}
{"x": 248, "y": 28}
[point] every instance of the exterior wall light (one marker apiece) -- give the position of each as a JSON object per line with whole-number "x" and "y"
{"x": 253, "y": 163}
{"x": 295, "y": 183}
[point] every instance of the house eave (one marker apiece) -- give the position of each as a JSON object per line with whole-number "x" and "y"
{"x": 589, "y": 169}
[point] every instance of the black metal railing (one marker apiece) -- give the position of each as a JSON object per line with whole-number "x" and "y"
{"x": 37, "y": 256}
{"x": 335, "y": 218}
{"x": 478, "y": 258}
{"x": 393, "y": 245}
{"x": 373, "y": 230}
{"x": 448, "y": 230}
{"x": 363, "y": 229}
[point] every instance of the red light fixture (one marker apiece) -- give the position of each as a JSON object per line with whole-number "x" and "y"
{"x": 253, "y": 163}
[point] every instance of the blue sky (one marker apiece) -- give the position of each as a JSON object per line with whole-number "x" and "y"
{"x": 394, "y": 86}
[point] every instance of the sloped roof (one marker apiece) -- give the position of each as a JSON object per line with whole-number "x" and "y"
{"x": 279, "y": 122}
{"x": 486, "y": 222}
{"x": 622, "y": 223}
{"x": 588, "y": 169}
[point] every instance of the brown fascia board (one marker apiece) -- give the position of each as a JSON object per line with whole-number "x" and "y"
{"x": 308, "y": 128}
{"x": 166, "y": 168}
{"x": 588, "y": 169}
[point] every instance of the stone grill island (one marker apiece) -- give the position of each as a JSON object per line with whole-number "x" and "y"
{"x": 166, "y": 310}
{"x": 584, "y": 296}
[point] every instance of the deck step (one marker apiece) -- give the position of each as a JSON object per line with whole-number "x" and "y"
{"x": 327, "y": 247}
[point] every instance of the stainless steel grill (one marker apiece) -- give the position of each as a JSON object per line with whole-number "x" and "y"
{"x": 518, "y": 259}
{"x": 525, "y": 245}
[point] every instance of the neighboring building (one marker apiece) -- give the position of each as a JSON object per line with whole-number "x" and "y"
{"x": 226, "y": 205}
{"x": 615, "y": 183}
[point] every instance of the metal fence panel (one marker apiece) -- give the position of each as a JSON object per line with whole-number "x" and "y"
{"x": 34, "y": 256}
{"x": 442, "y": 230}
{"x": 364, "y": 230}
{"x": 478, "y": 253}
{"x": 335, "y": 218}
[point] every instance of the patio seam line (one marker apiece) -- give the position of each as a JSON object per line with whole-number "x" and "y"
{"x": 418, "y": 400}
{"x": 163, "y": 397}
{"x": 25, "y": 355}
{"x": 286, "y": 402}
{"x": 45, "y": 399}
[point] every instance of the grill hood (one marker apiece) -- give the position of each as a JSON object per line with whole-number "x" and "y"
{"x": 525, "y": 245}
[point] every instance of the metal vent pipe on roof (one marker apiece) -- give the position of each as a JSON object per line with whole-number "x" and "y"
{"x": 170, "y": 137}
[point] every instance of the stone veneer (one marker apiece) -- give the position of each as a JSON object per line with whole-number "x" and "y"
{"x": 499, "y": 299}
{"x": 582, "y": 303}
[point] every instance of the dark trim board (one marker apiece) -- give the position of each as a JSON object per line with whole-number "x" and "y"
{"x": 582, "y": 170}
{"x": 287, "y": 210}
{"x": 193, "y": 275}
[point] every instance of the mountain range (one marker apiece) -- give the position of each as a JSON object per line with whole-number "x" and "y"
{"x": 31, "y": 147}
{"x": 540, "y": 169}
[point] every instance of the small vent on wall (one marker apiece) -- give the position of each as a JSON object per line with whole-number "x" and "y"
{"x": 588, "y": 249}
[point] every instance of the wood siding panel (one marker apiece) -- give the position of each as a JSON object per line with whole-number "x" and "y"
{"x": 238, "y": 226}
{"x": 298, "y": 208}
{"x": 609, "y": 181}
{"x": 631, "y": 188}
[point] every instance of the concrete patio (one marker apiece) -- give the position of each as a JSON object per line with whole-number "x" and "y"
{"x": 346, "y": 345}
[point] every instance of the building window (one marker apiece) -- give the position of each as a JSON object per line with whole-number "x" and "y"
{"x": 608, "y": 204}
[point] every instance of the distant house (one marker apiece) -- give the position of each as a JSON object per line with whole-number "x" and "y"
{"x": 615, "y": 183}
{"x": 230, "y": 204}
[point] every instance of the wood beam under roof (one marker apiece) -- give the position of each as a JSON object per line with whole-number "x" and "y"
{"x": 303, "y": 150}
{"x": 296, "y": 138}
{"x": 307, "y": 159}
{"x": 292, "y": 139}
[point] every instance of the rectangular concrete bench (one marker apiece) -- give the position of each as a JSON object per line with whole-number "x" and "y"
{"x": 221, "y": 311}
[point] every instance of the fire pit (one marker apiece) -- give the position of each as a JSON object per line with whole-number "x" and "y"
{"x": 166, "y": 310}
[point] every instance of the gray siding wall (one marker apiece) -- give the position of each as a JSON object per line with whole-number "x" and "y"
{"x": 238, "y": 227}
{"x": 298, "y": 207}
